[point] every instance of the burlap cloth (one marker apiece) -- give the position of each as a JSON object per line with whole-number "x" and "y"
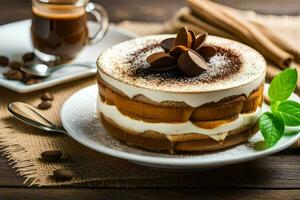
{"x": 22, "y": 144}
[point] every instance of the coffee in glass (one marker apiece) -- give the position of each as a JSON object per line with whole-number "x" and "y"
{"x": 59, "y": 28}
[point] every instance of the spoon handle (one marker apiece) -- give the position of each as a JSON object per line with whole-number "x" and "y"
{"x": 31, "y": 116}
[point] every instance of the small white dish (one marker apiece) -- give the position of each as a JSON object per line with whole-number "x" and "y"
{"x": 81, "y": 122}
{"x": 16, "y": 40}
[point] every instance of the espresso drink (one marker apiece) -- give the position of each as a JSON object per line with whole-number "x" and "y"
{"x": 59, "y": 31}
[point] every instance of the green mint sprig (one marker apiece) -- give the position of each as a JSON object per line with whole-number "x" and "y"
{"x": 284, "y": 112}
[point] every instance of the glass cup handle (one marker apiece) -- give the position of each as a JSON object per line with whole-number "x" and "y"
{"x": 101, "y": 17}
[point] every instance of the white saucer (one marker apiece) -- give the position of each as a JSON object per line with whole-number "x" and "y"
{"x": 79, "y": 118}
{"x": 16, "y": 40}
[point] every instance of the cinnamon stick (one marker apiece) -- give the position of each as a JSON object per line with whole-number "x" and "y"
{"x": 203, "y": 10}
{"x": 245, "y": 31}
{"x": 185, "y": 17}
{"x": 271, "y": 35}
{"x": 268, "y": 48}
{"x": 272, "y": 71}
{"x": 279, "y": 40}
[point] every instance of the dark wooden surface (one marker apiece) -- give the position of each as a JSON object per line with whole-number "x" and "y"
{"x": 274, "y": 177}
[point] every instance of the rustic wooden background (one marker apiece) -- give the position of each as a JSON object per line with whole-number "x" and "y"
{"x": 151, "y": 10}
{"x": 274, "y": 177}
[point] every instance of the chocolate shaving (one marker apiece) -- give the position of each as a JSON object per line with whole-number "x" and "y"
{"x": 191, "y": 63}
{"x": 177, "y": 51}
{"x": 161, "y": 61}
{"x": 193, "y": 36}
{"x": 199, "y": 42}
{"x": 207, "y": 52}
{"x": 187, "y": 52}
{"x": 184, "y": 38}
{"x": 167, "y": 44}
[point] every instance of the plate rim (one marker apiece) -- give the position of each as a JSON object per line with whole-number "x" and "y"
{"x": 67, "y": 78}
{"x": 169, "y": 162}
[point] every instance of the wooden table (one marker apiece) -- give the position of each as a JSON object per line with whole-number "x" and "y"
{"x": 274, "y": 177}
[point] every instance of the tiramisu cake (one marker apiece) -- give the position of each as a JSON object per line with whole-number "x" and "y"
{"x": 181, "y": 92}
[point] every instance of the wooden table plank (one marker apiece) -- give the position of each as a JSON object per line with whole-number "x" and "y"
{"x": 118, "y": 10}
{"x": 278, "y": 171}
{"x": 8, "y": 177}
{"x": 145, "y": 194}
{"x": 154, "y": 10}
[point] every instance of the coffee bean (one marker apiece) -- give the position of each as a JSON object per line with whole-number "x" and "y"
{"x": 26, "y": 77}
{"x": 45, "y": 105}
{"x": 31, "y": 81}
{"x": 62, "y": 174}
{"x": 16, "y": 65}
{"x": 4, "y": 61}
{"x": 51, "y": 156}
{"x": 47, "y": 96}
{"x": 14, "y": 75}
{"x": 27, "y": 57}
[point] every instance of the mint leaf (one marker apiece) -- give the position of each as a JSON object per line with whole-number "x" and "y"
{"x": 283, "y": 85}
{"x": 271, "y": 127}
{"x": 274, "y": 106}
{"x": 290, "y": 113}
{"x": 290, "y": 133}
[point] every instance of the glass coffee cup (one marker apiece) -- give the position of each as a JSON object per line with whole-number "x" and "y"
{"x": 59, "y": 28}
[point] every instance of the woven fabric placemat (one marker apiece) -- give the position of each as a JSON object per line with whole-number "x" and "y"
{"x": 22, "y": 145}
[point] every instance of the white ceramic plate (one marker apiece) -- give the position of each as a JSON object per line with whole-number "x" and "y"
{"x": 79, "y": 118}
{"x": 15, "y": 41}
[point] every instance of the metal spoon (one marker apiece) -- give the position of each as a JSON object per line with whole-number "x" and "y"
{"x": 42, "y": 70}
{"x": 31, "y": 116}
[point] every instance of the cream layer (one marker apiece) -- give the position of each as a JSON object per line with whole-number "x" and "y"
{"x": 192, "y": 99}
{"x": 139, "y": 126}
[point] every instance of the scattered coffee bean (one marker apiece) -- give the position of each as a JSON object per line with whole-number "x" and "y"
{"x": 45, "y": 105}
{"x": 267, "y": 100}
{"x": 14, "y": 75}
{"x": 27, "y": 57}
{"x": 62, "y": 174}
{"x": 4, "y": 61}
{"x": 47, "y": 96}
{"x": 32, "y": 81}
{"x": 16, "y": 65}
{"x": 51, "y": 156}
{"x": 26, "y": 77}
